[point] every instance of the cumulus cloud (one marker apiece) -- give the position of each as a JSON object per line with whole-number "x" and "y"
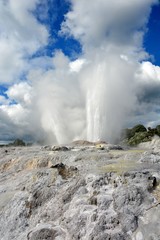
{"x": 17, "y": 115}
{"x": 21, "y": 35}
{"x": 17, "y": 122}
{"x": 21, "y": 92}
{"x": 121, "y": 23}
{"x": 110, "y": 86}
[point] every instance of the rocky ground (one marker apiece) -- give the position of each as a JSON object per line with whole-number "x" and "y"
{"x": 80, "y": 191}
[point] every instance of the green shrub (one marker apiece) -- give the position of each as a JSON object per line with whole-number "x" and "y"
{"x": 140, "y": 137}
{"x": 18, "y": 142}
{"x": 158, "y": 130}
{"x": 138, "y": 128}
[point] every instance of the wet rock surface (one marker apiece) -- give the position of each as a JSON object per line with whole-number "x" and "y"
{"x": 80, "y": 192}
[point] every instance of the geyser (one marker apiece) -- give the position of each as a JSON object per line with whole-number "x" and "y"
{"x": 109, "y": 98}
{"x": 92, "y": 103}
{"x": 94, "y": 97}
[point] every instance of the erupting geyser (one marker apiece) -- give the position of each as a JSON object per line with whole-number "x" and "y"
{"x": 94, "y": 97}
{"x": 95, "y": 109}
{"x": 109, "y": 99}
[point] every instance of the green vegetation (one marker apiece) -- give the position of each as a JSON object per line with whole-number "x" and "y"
{"x": 18, "y": 142}
{"x": 139, "y": 134}
{"x": 139, "y": 137}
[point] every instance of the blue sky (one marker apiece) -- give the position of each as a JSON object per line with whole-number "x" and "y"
{"x": 55, "y": 15}
{"x": 152, "y": 37}
{"x": 63, "y": 61}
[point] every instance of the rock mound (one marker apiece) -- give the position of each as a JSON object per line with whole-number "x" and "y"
{"x": 82, "y": 143}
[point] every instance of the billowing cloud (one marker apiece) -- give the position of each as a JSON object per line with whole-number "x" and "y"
{"x": 20, "y": 93}
{"x": 21, "y": 35}
{"x": 107, "y": 22}
{"x": 16, "y": 113}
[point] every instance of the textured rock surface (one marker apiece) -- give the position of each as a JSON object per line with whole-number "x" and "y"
{"x": 86, "y": 193}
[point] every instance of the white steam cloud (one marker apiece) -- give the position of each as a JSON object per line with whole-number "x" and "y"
{"x": 101, "y": 92}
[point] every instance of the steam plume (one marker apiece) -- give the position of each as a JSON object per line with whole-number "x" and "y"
{"x": 97, "y": 100}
